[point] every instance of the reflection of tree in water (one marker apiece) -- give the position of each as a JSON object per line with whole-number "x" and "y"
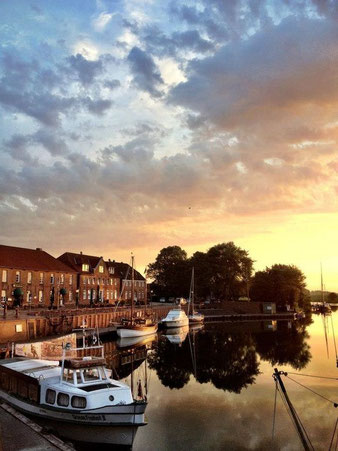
{"x": 227, "y": 360}
{"x": 286, "y": 346}
{"x": 172, "y": 363}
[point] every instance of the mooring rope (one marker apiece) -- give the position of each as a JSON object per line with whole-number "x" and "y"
{"x": 311, "y": 375}
{"x": 274, "y": 412}
{"x": 314, "y": 392}
{"x": 333, "y": 435}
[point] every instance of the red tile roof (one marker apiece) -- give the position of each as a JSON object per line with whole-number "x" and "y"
{"x": 31, "y": 259}
{"x": 76, "y": 261}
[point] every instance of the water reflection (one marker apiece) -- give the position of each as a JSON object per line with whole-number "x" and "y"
{"x": 227, "y": 355}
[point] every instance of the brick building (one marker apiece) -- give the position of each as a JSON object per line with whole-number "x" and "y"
{"x": 123, "y": 271}
{"x": 96, "y": 281}
{"x": 34, "y": 277}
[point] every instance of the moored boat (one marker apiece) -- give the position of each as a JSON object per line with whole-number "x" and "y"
{"x": 194, "y": 317}
{"x": 175, "y": 318}
{"x": 75, "y": 396}
{"x": 134, "y": 326}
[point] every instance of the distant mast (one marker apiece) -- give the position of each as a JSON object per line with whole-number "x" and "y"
{"x": 321, "y": 283}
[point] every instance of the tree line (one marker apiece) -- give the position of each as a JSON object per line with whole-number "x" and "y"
{"x": 225, "y": 273}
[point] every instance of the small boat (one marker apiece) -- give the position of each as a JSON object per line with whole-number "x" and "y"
{"x": 135, "y": 327}
{"x": 75, "y": 396}
{"x": 175, "y": 318}
{"x": 194, "y": 317}
{"x": 136, "y": 341}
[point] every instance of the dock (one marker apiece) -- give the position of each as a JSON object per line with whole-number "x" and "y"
{"x": 17, "y": 432}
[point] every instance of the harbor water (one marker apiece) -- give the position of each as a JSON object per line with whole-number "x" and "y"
{"x": 211, "y": 387}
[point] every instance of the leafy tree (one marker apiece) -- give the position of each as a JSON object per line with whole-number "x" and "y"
{"x": 332, "y": 297}
{"x": 230, "y": 269}
{"x": 201, "y": 264}
{"x": 283, "y": 284}
{"x": 170, "y": 272}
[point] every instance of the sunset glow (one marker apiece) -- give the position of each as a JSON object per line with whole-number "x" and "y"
{"x": 136, "y": 125}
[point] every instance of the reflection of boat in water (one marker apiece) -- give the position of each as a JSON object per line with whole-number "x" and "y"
{"x": 175, "y": 318}
{"x": 136, "y": 341}
{"x": 177, "y": 335}
{"x": 196, "y": 326}
{"x": 76, "y": 397}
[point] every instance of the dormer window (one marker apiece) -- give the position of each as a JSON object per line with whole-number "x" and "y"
{"x": 101, "y": 269}
{"x": 85, "y": 267}
{"x": 111, "y": 270}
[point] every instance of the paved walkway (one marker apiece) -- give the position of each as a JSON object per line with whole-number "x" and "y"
{"x": 18, "y": 433}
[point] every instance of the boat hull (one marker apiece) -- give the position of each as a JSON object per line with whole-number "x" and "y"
{"x": 111, "y": 424}
{"x": 136, "y": 331}
{"x": 175, "y": 323}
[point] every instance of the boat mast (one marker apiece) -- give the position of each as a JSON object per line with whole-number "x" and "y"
{"x": 300, "y": 431}
{"x": 192, "y": 289}
{"x": 321, "y": 283}
{"x": 132, "y": 287}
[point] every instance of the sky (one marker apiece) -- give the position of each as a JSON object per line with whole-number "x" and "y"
{"x": 129, "y": 126}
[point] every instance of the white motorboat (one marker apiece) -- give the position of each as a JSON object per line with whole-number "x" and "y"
{"x": 194, "y": 317}
{"x": 175, "y": 318}
{"x": 75, "y": 396}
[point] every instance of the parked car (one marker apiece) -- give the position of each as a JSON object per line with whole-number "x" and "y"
{"x": 162, "y": 299}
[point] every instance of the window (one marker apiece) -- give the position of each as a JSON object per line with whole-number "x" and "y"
{"x": 29, "y": 277}
{"x": 62, "y": 278}
{"x": 63, "y": 400}
{"x": 111, "y": 281}
{"x": 85, "y": 267}
{"x": 71, "y": 279}
{"x": 84, "y": 294}
{"x": 50, "y": 396}
{"x": 17, "y": 277}
{"x": 91, "y": 374}
{"x": 101, "y": 269}
{"x": 79, "y": 402}
{"x": 115, "y": 294}
{"x": 40, "y": 296}
{"x": 69, "y": 376}
{"x": 111, "y": 270}
{"x": 4, "y": 275}
{"x": 70, "y": 296}
{"x": 3, "y": 296}
{"x": 89, "y": 294}
{"x": 41, "y": 277}
{"x": 52, "y": 278}
{"x": 88, "y": 281}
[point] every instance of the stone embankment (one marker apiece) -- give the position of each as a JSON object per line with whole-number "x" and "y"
{"x": 31, "y": 325}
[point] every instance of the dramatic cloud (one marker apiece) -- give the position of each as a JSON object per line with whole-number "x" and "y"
{"x": 146, "y": 75}
{"x": 143, "y": 130}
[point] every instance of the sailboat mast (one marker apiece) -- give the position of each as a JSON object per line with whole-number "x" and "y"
{"x": 321, "y": 283}
{"x": 192, "y": 289}
{"x": 132, "y": 287}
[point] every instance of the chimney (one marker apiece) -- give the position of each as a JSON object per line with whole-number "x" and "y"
{"x": 39, "y": 248}
{"x": 80, "y": 252}
{"x": 109, "y": 260}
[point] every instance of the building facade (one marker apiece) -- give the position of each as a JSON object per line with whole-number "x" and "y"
{"x": 96, "y": 282}
{"x": 32, "y": 277}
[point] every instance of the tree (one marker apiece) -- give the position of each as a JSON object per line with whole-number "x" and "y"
{"x": 332, "y": 297}
{"x": 170, "y": 272}
{"x": 230, "y": 269}
{"x": 283, "y": 284}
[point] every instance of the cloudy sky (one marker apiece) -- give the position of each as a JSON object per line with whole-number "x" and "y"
{"x": 137, "y": 124}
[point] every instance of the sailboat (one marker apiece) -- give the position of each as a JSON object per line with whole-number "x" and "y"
{"x": 135, "y": 327}
{"x": 194, "y": 317}
{"x": 323, "y": 307}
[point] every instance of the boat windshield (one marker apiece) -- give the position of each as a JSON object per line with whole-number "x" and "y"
{"x": 91, "y": 374}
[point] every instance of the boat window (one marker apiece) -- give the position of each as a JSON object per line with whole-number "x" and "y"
{"x": 50, "y": 396}
{"x": 79, "y": 402}
{"x": 78, "y": 376}
{"x": 63, "y": 400}
{"x": 69, "y": 376}
{"x": 102, "y": 373}
{"x": 33, "y": 392}
{"x": 91, "y": 374}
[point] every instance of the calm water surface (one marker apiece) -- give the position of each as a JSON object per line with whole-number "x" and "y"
{"x": 212, "y": 389}
{"x": 215, "y": 391}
